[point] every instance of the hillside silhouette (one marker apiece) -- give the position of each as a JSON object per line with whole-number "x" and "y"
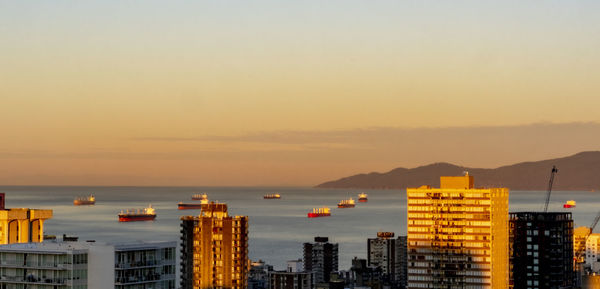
{"x": 577, "y": 172}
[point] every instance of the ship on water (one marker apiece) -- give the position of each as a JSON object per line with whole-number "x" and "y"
{"x": 85, "y": 201}
{"x": 349, "y": 203}
{"x": 362, "y": 197}
{"x": 145, "y": 214}
{"x": 272, "y": 196}
{"x": 193, "y": 206}
{"x": 200, "y": 197}
{"x": 569, "y": 204}
{"x": 319, "y": 212}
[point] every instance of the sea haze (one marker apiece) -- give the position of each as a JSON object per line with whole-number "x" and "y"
{"x": 277, "y": 227}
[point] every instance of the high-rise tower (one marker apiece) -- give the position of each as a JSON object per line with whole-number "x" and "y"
{"x": 320, "y": 258}
{"x": 214, "y": 249}
{"x": 390, "y": 255}
{"x": 457, "y": 235}
{"x": 541, "y": 250}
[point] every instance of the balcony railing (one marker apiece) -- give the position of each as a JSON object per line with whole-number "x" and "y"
{"x": 144, "y": 278}
{"x": 141, "y": 264}
{"x": 35, "y": 280}
{"x": 40, "y": 265}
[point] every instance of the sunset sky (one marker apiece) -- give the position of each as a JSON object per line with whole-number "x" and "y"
{"x": 289, "y": 92}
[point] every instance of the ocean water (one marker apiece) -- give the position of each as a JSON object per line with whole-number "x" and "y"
{"x": 277, "y": 227}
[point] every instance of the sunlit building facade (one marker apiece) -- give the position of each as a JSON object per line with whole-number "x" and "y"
{"x": 579, "y": 236}
{"x": 457, "y": 235}
{"x": 592, "y": 253}
{"x": 21, "y": 225}
{"x": 214, "y": 249}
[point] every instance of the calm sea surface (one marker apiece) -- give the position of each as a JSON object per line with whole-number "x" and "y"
{"x": 277, "y": 227}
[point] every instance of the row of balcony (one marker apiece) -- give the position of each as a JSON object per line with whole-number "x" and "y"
{"x": 41, "y": 265}
{"x": 35, "y": 280}
{"x": 141, "y": 264}
{"x": 151, "y": 277}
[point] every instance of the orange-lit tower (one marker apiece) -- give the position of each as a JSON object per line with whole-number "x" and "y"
{"x": 21, "y": 225}
{"x": 214, "y": 249}
{"x": 457, "y": 236}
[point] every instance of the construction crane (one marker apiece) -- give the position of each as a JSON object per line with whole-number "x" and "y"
{"x": 554, "y": 171}
{"x": 594, "y": 223}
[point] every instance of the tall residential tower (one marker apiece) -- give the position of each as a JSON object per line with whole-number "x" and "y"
{"x": 214, "y": 249}
{"x": 390, "y": 255}
{"x": 321, "y": 258}
{"x": 457, "y": 236}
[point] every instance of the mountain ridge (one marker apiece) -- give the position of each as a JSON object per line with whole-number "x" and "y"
{"x": 580, "y": 171}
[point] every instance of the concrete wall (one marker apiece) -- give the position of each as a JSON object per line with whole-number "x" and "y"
{"x": 101, "y": 267}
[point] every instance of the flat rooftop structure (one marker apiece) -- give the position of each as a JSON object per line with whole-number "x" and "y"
{"x": 61, "y": 246}
{"x": 541, "y": 216}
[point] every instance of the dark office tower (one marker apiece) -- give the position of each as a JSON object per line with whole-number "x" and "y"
{"x": 320, "y": 258}
{"x": 541, "y": 250}
{"x": 401, "y": 271}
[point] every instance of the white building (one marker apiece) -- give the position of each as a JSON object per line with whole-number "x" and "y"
{"x": 592, "y": 252}
{"x": 82, "y": 265}
{"x": 295, "y": 266}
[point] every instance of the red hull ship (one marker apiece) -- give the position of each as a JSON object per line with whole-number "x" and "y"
{"x": 146, "y": 214}
{"x": 133, "y": 218}
{"x": 272, "y": 196}
{"x": 319, "y": 212}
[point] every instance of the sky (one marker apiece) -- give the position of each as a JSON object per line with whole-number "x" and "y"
{"x": 293, "y": 93}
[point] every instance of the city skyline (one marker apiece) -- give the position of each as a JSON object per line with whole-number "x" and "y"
{"x": 267, "y": 93}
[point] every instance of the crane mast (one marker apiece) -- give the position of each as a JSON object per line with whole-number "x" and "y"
{"x": 554, "y": 171}
{"x": 595, "y": 223}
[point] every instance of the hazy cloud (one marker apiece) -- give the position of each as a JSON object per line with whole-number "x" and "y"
{"x": 300, "y": 157}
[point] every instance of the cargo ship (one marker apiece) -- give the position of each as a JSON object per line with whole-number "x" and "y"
{"x": 570, "y": 204}
{"x": 192, "y": 206}
{"x": 145, "y": 214}
{"x": 349, "y": 203}
{"x": 200, "y": 197}
{"x": 319, "y": 212}
{"x": 272, "y": 196}
{"x": 362, "y": 197}
{"x": 84, "y": 201}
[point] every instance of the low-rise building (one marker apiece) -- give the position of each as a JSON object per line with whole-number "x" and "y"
{"x": 258, "y": 276}
{"x": 79, "y": 265}
{"x": 294, "y": 277}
